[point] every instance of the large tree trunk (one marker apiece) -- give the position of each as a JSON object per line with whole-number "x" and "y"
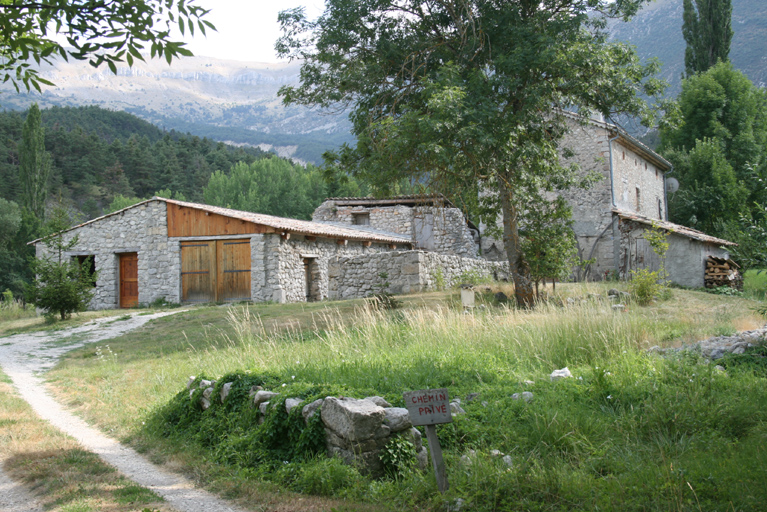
{"x": 520, "y": 270}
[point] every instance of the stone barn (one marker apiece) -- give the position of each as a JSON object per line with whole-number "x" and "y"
{"x": 186, "y": 252}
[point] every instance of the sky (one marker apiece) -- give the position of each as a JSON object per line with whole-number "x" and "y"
{"x": 247, "y": 29}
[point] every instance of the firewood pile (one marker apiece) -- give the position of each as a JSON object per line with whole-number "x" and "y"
{"x": 723, "y": 272}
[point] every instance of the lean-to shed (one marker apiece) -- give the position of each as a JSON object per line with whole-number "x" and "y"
{"x": 188, "y": 252}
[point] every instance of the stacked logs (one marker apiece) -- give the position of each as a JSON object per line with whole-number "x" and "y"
{"x": 723, "y": 272}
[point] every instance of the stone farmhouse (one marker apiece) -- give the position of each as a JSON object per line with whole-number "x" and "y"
{"x": 192, "y": 253}
{"x": 611, "y": 217}
{"x": 163, "y": 249}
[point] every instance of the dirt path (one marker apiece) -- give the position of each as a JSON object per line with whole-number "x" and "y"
{"x": 24, "y": 357}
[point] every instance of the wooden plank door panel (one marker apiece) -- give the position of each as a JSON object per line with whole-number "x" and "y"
{"x": 233, "y": 259}
{"x": 128, "y": 263}
{"x": 198, "y": 271}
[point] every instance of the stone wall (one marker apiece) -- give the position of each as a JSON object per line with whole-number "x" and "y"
{"x": 142, "y": 229}
{"x": 290, "y": 284}
{"x": 408, "y": 272}
{"x": 632, "y": 173}
{"x": 451, "y": 233}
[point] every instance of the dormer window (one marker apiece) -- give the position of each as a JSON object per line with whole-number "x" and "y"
{"x": 361, "y": 219}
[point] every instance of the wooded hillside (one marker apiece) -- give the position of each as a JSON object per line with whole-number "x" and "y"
{"x": 98, "y": 154}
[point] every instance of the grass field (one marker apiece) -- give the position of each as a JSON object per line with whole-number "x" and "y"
{"x": 755, "y": 283}
{"x": 632, "y": 431}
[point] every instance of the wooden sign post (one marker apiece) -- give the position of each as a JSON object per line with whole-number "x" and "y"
{"x": 430, "y": 407}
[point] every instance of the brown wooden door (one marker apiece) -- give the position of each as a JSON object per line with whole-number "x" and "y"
{"x": 128, "y": 279}
{"x": 215, "y": 270}
{"x": 233, "y": 265}
{"x": 198, "y": 271}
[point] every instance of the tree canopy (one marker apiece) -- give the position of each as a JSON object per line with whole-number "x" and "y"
{"x": 456, "y": 94}
{"x": 707, "y": 30}
{"x": 106, "y": 31}
{"x": 716, "y": 137}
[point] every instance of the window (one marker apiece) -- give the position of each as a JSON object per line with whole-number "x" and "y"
{"x": 638, "y": 200}
{"x": 361, "y": 219}
{"x": 88, "y": 263}
{"x": 660, "y": 209}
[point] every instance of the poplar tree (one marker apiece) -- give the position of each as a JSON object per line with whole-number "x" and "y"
{"x": 707, "y": 30}
{"x": 34, "y": 164}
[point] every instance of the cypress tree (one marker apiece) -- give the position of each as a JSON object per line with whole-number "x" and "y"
{"x": 707, "y": 30}
{"x": 34, "y": 164}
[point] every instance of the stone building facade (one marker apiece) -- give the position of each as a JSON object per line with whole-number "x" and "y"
{"x": 431, "y": 222}
{"x": 631, "y": 182}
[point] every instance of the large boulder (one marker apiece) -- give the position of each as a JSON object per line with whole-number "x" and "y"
{"x": 351, "y": 418}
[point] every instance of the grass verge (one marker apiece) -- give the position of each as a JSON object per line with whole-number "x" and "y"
{"x": 63, "y": 476}
{"x": 632, "y": 431}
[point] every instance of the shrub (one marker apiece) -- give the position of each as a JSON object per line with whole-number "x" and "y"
{"x": 645, "y": 285}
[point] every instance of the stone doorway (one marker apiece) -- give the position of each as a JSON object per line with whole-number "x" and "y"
{"x": 312, "y": 279}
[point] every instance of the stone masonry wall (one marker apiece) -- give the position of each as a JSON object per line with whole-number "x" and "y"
{"x": 291, "y": 276}
{"x": 450, "y": 230}
{"x": 408, "y": 272}
{"x": 142, "y": 229}
{"x": 632, "y": 172}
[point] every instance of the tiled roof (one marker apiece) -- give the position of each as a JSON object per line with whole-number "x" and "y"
{"x": 673, "y": 228}
{"x": 303, "y": 227}
{"x": 417, "y": 200}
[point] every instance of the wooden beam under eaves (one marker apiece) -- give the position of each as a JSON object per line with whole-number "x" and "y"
{"x": 310, "y": 238}
{"x": 342, "y": 242}
{"x": 367, "y": 243}
{"x": 285, "y": 236}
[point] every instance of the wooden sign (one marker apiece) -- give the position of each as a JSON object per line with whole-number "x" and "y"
{"x": 428, "y": 406}
{"x": 431, "y": 407}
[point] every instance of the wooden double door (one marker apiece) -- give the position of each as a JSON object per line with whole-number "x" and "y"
{"x": 215, "y": 270}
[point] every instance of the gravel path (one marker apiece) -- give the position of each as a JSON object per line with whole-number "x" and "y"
{"x": 24, "y": 357}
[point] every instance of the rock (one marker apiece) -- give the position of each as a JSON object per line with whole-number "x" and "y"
{"x": 206, "y": 384}
{"x": 527, "y": 396}
{"x": 719, "y": 368}
{"x": 564, "y": 373}
{"x": 397, "y": 419}
{"x": 309, "y": 410}
{"x": 456, "y": 409}
{"x": 472, "y": 396}
{"x": 190, "y": 382}
{"x": 655, "y": 349}
{"x": 457, "y": 505}
{"x": 507, "y": 460}
{"x": 496, "y": 453}
{"x": 263, "y": 396}
{"x": 571, "y": 300}
{"x": 501, "y": 297}
{"x": 225, "y": 389}
{"x": 263, "y": 407}
{"x": 205, "y": 400}
{"x": 290, "y": 403}
{"x": 352, "y": 419}
{"x": 618, "y": 307}
{"x": 625, "y": 296}
{"x": 414, "y": 436}
{"x": 612, "y": 292}
{"x": 254, "y": 390}
{"x": 528, "y": 382}
{"x": 379, "y": 401}
{"x": 468, "y": 458}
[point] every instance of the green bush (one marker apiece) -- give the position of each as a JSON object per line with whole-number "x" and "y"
{"x": 645, "y": 285}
